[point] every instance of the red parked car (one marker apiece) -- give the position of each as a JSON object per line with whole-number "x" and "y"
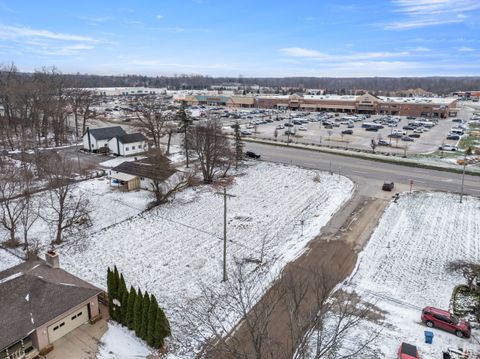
{"x": 441, "y": 319}
{"x": 408, "y": 351}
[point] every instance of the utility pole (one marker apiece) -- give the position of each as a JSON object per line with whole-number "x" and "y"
{"x": 225, "y": 195}
{"x": 468, "y": 151}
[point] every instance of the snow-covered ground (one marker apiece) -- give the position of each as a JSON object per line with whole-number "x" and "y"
{"x": 403, "y": 267}
{"x": 120, "y": 343}
{"x": 173, "y": 249}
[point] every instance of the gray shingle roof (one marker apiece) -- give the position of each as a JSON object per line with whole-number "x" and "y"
{"x": 32, "y": 293}
{"x": 106, "y": 133}
{"x": 131, "y": 137}
{"x": 144, "y": 170}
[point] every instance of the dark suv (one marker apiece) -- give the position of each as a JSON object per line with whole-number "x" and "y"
{"x": 441, "y": 319}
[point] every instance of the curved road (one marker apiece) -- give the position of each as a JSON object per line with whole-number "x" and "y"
{"x": 363, "y": 171}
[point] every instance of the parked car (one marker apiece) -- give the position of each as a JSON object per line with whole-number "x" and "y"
{"x": 280, "y": 127}
{"x": 407, "y": 138}
{"x": 442, "y": 319}
{"x": 347, "y": 132}
{"x": 395, "y": 135}
{"x": 411, "y": 128}
{"x": 372, "y": 129}
{"x": 251, "y": 154}
{"x": 457, "y": 120}
{"x": 328, "y": 126}
{"x": 388, "y": 186}
{"x": 288, "y": 124}
{"x": 453, "y": 137}
{"x": 383, "y": 143}
{"x": 448, "y": 147}
{"x": 302, "y": 128}
{"x": 350, "y": 125}
{"x": 407, "y": 351}
{"x": 245, "y": 132}
{"x": 414, "y": 135}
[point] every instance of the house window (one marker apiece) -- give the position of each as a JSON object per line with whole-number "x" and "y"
{"x": 73, "y": 317}
{"x": 142, "y": 179}
{"x": 133, "y": 147}
{"x": 127, "y": 149}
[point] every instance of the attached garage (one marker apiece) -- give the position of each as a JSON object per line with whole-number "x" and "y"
{"x": 67, "y": 324}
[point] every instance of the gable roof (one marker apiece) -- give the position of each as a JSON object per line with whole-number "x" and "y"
{"x": 144, "y": 170}
{"x": 106, "y": 133}
{"x": 32, "y": 293}
{"x": 131, "y": 137}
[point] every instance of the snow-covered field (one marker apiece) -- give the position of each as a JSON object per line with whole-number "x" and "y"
{"x": 120, "y": 343}
{"x": 173, "y": 249}
{"x": 403, "y": 267}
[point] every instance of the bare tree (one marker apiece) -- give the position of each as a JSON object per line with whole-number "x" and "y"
{"x": 238, "y": 144}
{"x": 212, "y": 148}
{"x": 152, "y": 120}
{"x": 297, "y": 318}
{"x": 11, "y": 189}
{"x": 68, "y": 207}
{"x": 165, "y": 180}
{"x": 467, "y": 269}
{"x": 81, "y": 102}
{"x": 238, "y": 298}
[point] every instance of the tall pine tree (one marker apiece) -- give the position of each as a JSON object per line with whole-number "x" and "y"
{"x": 238, "y": 144}
{"x": 132, "y": 296}
{"x": 109, "y": 291}
{"x": 137, "y": 313}
{"x": 120, "y": 310}
{"x": 125, "y": 307}
{"x": 145, "y": 311}
{"x": 114, "y": 293}
{"x": 152, "y": 317}
{"x": 162, "y": 328}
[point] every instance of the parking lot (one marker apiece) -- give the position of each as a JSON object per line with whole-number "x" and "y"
{"x": 395, "y": 136}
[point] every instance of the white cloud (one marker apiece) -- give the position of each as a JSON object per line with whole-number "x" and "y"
{"x": 421, "y": 49}
{"x": 422, "y": 13}
{"x": 465, "y": 49}
{"x": 159, "y": 17}
{"x": 304, "y": 53}
{"x": 14, "y": 32}
{"x": 45, "y": 42}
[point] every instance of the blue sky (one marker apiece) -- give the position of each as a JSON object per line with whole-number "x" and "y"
{"x": 244, "y": 37}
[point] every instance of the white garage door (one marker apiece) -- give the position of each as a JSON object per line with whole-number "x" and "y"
{"x": 67, "y": 324}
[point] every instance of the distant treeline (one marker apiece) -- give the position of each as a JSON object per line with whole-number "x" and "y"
{"x": 439, "y": 85}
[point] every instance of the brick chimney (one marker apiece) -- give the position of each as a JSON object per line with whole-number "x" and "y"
{"x": 52, "y": 259}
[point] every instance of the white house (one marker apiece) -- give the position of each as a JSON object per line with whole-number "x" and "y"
{"x": 128, "y": 144}
{"x": 97, "y": 138}
{"x": 114, "y": 140}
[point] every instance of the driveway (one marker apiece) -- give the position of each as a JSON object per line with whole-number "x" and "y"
{"x": 82, "y": 343}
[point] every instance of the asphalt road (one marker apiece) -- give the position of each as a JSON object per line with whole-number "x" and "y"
{"x": 362, "y": 171}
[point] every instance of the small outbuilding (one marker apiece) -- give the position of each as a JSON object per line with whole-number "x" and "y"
{"x": 134, "y": 175}
{"x": 128, "y": 144}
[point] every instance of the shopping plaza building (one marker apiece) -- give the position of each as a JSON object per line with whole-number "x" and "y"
{"x": 364, "y": 104}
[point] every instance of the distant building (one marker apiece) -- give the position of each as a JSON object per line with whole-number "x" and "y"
{"x": 114, "y": 140}
{"x": 41, "y": 303}
{"x": 435, "y": 107}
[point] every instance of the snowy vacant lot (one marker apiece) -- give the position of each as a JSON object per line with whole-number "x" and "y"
{"x": 172, "y": 249}
{"x": 403, "y": 266}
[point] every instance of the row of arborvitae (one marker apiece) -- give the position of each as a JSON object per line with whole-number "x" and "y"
{"x": 137, "y": 311}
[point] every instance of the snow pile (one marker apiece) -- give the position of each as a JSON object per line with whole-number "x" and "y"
{"x": 120, "y": 343}
{"x": 114, "y": 162}
{"x": 172, "y": 249}
{"x": 403, "y": 267}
